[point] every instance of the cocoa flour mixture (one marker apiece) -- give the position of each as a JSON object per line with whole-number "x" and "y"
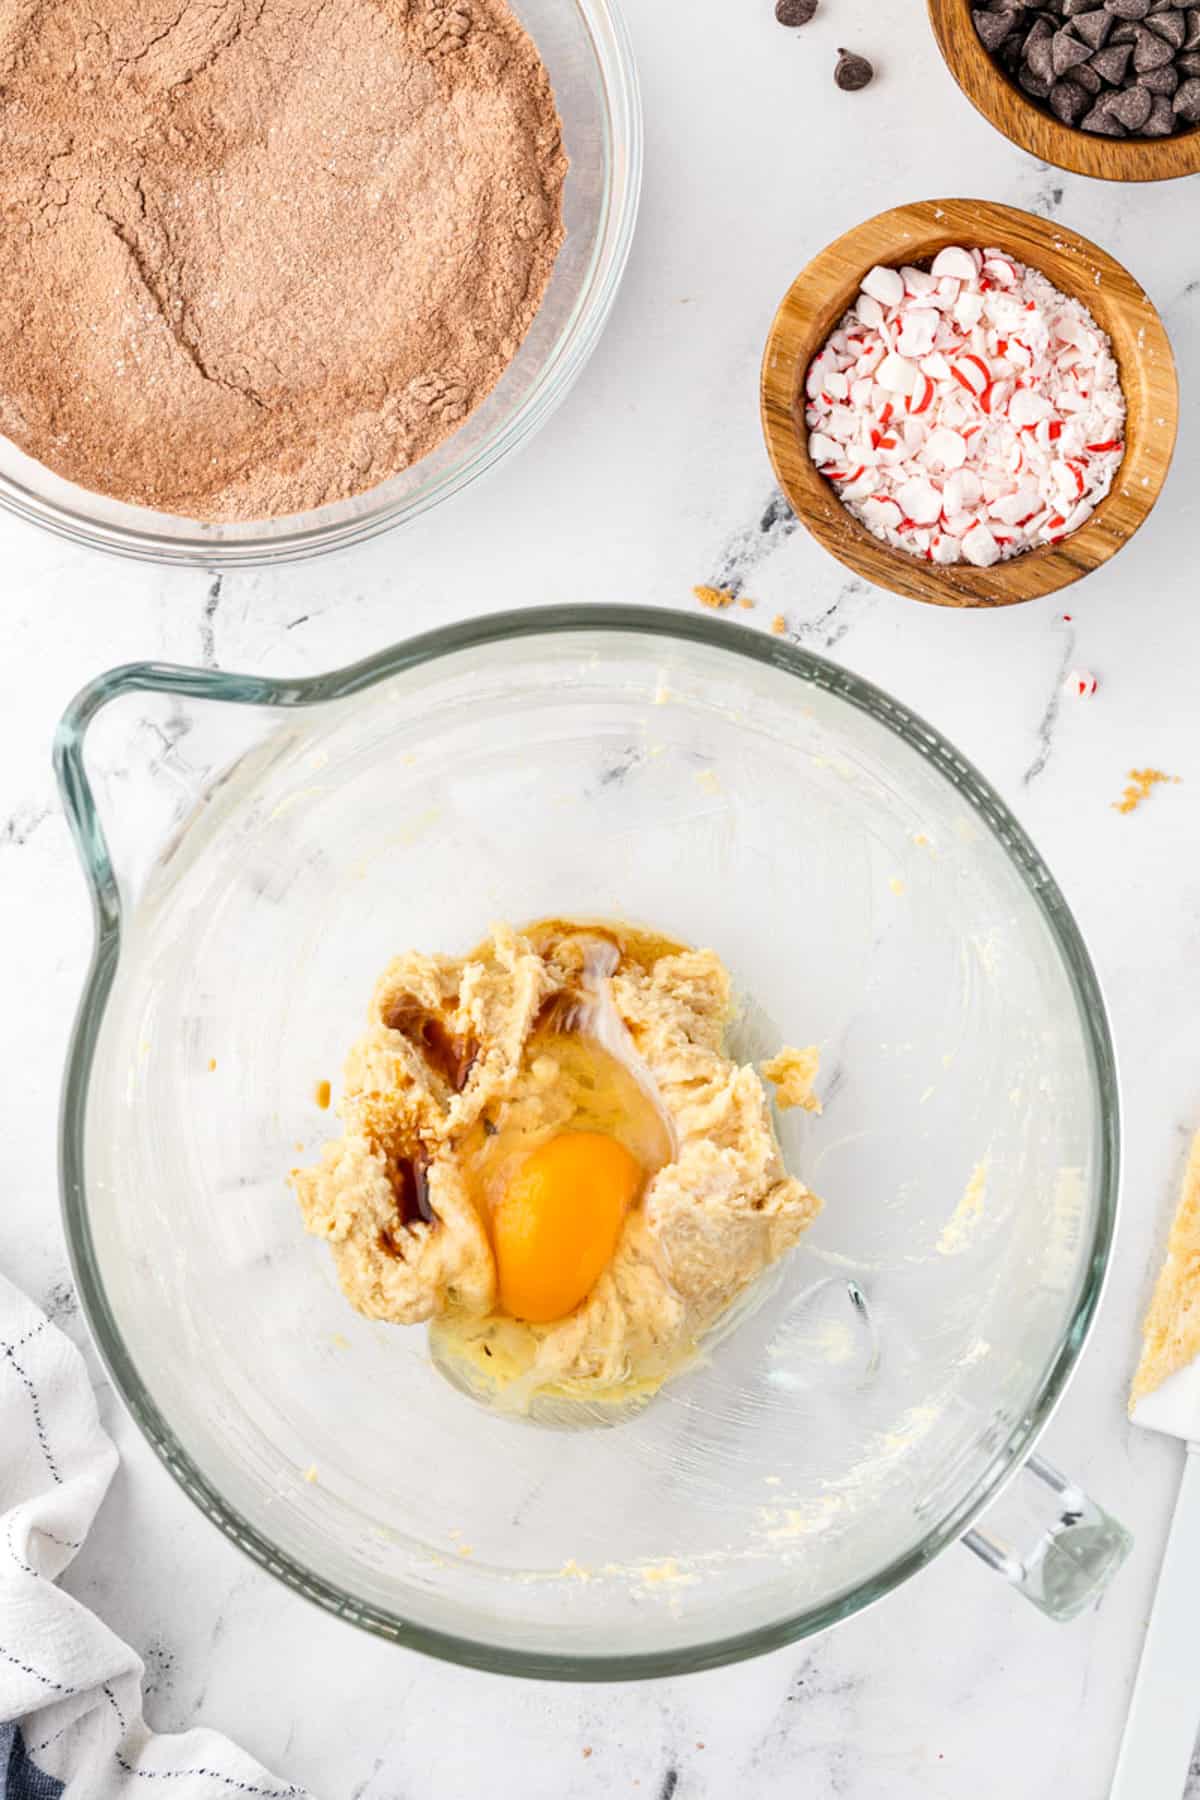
{"x": 257, "y": 255}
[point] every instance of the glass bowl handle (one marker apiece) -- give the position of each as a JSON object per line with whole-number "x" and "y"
{"x": 1054, "y": 1544}
{"x": 183, "y": 689}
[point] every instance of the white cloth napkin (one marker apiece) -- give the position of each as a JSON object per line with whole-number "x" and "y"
{"x": 70, "y": 1692}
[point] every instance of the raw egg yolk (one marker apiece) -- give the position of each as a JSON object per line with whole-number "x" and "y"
{"x": 556, "y": 1225}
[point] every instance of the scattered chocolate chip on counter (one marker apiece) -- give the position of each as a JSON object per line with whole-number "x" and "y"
{"x": 795, "y": 12}
{"x": 1115, "y": 68}
{"x": 852, "y": 72}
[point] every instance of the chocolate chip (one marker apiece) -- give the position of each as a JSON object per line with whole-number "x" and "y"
{"x": 993, "y": 27}
{"x": 1093, "y": 27}
{"x": 1101, "y": 121}
{"x": 1087, "y": 79}
{"x": 1192, "y": 34}
{"x": 1169, "y": 25}
{"x": 1111, "y": 63}
{"x": 1072, "y": 8}
{"x": 1126, "y": 34}
{"x": 1161, "y": 122}
{"x": 1188, "y": 63}
{"x": 852, "y": 72}
{"x": 1128, "y": 9}
{"x": 1186, "y": 104}
{"x": 1160, "y": 81}
{"x": 1066, "y": 51}
{"x": 1068, "y": 102}
{"x": 1151, "y": 52}
{"x": 1132, "y": 107}
{"x": 1039, "y": 56}
{"x": 795, "y": 12}
{"x": 1040, "y": 86}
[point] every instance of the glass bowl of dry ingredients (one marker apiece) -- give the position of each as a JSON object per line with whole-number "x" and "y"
{"x": 219, "y": 256}
{"x": 870, "y": 896}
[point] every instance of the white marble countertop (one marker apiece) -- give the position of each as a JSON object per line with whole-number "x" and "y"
{"x": 650, "y": 479}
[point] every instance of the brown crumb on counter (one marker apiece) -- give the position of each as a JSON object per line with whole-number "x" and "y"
{"x": 745, "y": 604}
{"x": 324, "y": 1094}
{"x": 713, "y": 597}
{"x": 587, "y": 1751}
{"x": 1140, "y": 783}
{"x": 779, "y": 624}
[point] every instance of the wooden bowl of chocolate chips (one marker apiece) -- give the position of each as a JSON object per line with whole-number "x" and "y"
{"x": 1109, "y": 88}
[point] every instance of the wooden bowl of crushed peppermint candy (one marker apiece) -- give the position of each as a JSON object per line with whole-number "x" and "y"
{"x": 967, "y": 404}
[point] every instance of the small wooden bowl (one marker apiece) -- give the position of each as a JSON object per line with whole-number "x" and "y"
{"x": 1033, "y": 128}
{"x": 823, "y": 291}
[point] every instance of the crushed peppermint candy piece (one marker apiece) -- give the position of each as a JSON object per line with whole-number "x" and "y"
{"x": 1081, "y": 683}
{"x": 968, "y": 411}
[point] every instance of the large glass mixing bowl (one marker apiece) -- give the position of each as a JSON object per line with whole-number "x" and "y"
{"x": 586, "y": 49}
{"x": 275, "y": 842}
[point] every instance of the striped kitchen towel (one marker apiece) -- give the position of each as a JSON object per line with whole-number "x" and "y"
{"x": 70, "y": 1691}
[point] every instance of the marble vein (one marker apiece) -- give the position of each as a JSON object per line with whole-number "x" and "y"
{"x": 852, "y": 601}
{"x": 20, "y": 825}
{"x": 1050, "y": 717}
{"x": 746, "y": 550}
{"x": 208, "y": 624}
